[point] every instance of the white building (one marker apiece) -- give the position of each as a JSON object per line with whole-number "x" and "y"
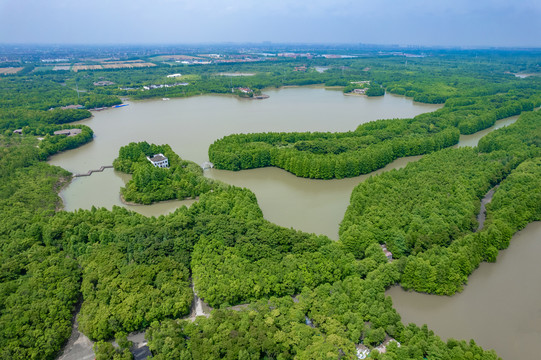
{"x": 159, "y": 160}
{"x": 174, "y": 75}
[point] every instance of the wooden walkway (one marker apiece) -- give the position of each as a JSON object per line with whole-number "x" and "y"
{"x": 90, "y": 172}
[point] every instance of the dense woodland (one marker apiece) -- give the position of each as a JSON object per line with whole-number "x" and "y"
{"x": 444, "y": 270}
{"x": 309, "y": 297}
{"x": 182, "y": 179}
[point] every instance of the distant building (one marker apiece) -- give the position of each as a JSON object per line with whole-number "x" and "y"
{"x": 103, "y": 83}
{"x": 72, "y": 107}
{"x": 359, "y": 91}
{"x": 68, "y": 132}
{"x": 54, "y": 60}
{"x": 174, "y": 75}
{"x": 159, "y": 160}
{"x": 160, "y": 86}
{"x": 18, "y": 131}
{"x": 245, "y": 90}
{"x": 383, "y": 347}
{"x": 300, "y": 68}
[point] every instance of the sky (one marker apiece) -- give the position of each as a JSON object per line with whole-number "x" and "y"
{"x": 469, "y": 23}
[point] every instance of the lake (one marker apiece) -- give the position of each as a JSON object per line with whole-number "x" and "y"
{"x": 190, "y": 125}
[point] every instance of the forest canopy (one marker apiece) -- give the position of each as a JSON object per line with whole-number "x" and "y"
{"x": 296, "y": 295}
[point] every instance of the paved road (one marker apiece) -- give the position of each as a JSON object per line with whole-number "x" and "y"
{"x": 139, "y": 349}
{"x": 78, "y": 347}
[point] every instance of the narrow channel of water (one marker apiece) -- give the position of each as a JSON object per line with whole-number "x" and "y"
{"x": 314, "y": 206}
{"x": 481, "y": 217}
{"x": 473, "y": 139}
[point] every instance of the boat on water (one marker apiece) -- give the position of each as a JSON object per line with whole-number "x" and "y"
{"x": 121, "y": 105}
{"x": 165, "y": 99}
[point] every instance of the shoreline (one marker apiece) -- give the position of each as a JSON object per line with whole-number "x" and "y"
{"x": 60, "y": 185}
{"x": 128, "y": 99}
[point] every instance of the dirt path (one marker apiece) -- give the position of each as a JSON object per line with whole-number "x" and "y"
{"x": 481, "y": 217}
{"x": 79, "y": 346}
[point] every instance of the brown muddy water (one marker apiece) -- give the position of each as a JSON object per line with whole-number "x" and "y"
{"x": 191, "y": 125}
{"x": 500, "y": 308}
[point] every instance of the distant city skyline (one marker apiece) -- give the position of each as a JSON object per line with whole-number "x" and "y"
{"x": 483, "y": 23}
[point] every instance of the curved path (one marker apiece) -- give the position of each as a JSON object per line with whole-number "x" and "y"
{"x": 481, "y": 217}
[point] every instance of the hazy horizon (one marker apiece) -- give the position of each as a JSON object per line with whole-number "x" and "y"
{"x": 461, "y": 23}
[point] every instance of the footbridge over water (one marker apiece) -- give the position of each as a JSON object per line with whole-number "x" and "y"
{"x": 90, "y": 172}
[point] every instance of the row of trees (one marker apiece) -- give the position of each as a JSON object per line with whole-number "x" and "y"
{"x": 371, "y": 146}
{"x": 346, "y": 156}
{"x": 52, "y": 144}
